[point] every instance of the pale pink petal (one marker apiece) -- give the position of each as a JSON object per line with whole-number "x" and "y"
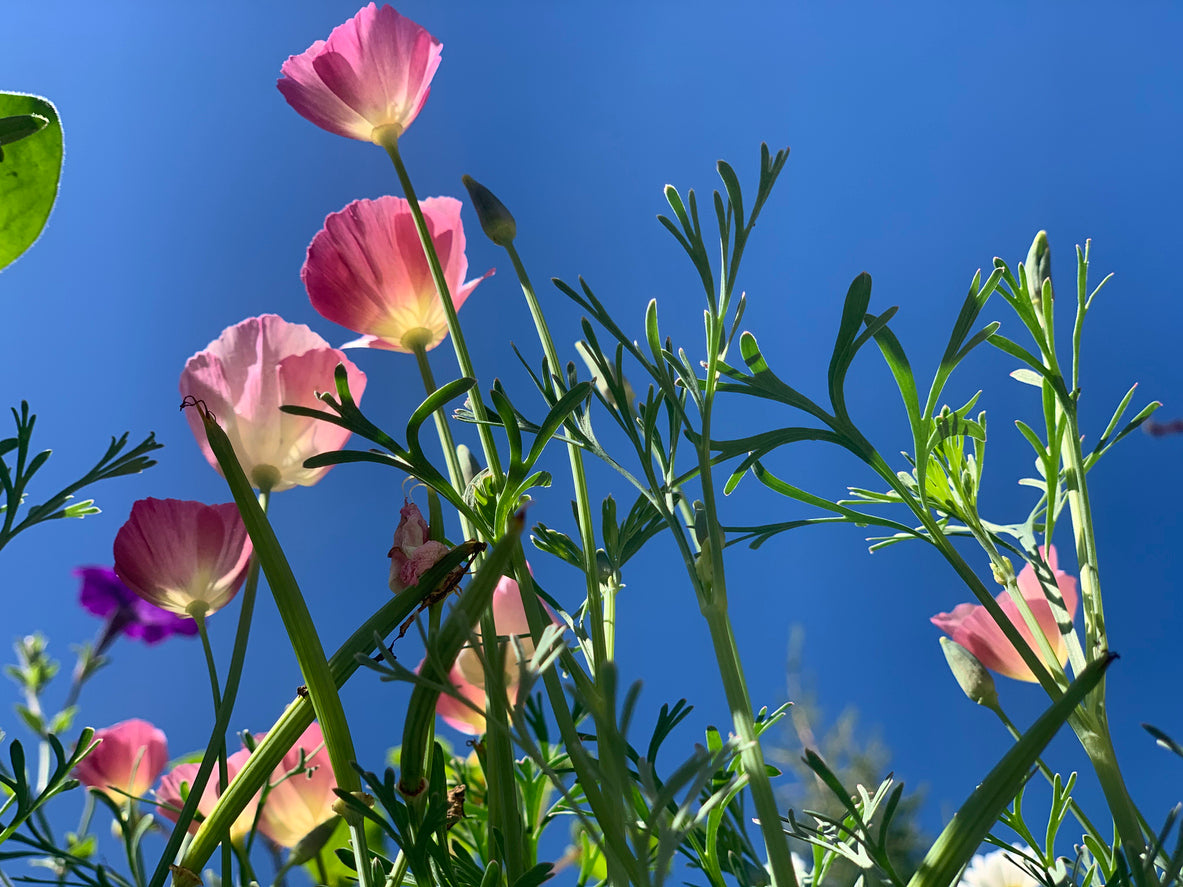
{"x": 168, "y": 795}
{"x": 972, "y": 627}
{"x": 366, "y": 271}
{"x": 129, "y": 757}
{"x": 246, "y": 375}
{"x": 173, "y": 553}
{"x": 467, "y": 675}
{"x": 374, "y": 70}
{"x": 455, "y": 713}
{"x": 1031, "y": 589}
{"x": 295, "y": 805}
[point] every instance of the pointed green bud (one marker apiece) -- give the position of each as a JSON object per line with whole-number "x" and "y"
{"x": 469, "y": 466}
{"x": 496, "y": 220}
{"x": 604, "y": 568}
{"x": 1038, "y": 267}
{"x": 971, "y": 675}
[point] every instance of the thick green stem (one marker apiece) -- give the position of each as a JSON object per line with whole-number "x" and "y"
{"x": 301, "y": 631}
{"x": 503, "y": 807}
{"x": 713, "y": 602}
{"x": 735, "y": 688}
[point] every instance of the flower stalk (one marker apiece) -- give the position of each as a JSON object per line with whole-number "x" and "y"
{"x": 301, "y": 631}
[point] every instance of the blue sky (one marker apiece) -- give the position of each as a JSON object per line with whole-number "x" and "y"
{"x": 925, "y": 141}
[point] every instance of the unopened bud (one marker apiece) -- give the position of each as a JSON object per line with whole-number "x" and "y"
{"x": 343, "y": 808}
{"x": 604, "y": 566}
{"x": 1003, "y": 574}
{"x": 1038, "y": 267}
{"x": 970, "y": 674}
{"x": 469, "y": 466}
{"x": 497, "y": 222}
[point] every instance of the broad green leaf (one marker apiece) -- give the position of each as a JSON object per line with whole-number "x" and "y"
{"x": 29, "y": 171}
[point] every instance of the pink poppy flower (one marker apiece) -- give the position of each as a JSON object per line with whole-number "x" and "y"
{"x": 128, "y": 758}
{"x": 184, "y": 557}
{"x": 244, "y": 377}
{"x": 366, "y": 271}
{"x": 972, "y": 627}
{"x": 413, "y": 554}
{"x": 168, "y": 795}
{"x": 295, "y": 805}
{"x": 368, "y": 80}
{"x": 468, "y": 674}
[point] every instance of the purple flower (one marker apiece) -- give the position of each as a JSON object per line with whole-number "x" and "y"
{"x": 125, "y": 611}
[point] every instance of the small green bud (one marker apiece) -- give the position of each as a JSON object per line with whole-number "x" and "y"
{"x": 604, "y": 567}
{"x": 1038, "y": 267}
{"x": 469, "y": 466}
{"x": 1005, "y": 574}
{"x": 497, "y": 222}
{"x": 970, "y": 674}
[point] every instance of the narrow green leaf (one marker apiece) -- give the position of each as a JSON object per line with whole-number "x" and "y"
{"x": 1027, "y": 377}
{"x": 854, "y": 309}
{"x": 734, "y": 192}
{"x": 554, "y": 420}
{"x": 509, "y": 421}
{"x": 901, "y": 370}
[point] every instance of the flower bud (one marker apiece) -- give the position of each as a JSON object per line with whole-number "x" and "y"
{"x": 970, "y": 674}
{"x": 469, "y": 466}
{"x": 496, "y": 221}
{"x": 1038, "y": 267}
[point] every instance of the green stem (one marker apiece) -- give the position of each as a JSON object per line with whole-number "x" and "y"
{"x": 445, "y": 433}
{"x": 713, "y": 602}
{"x": 597, "y": 606}
{"x": 1083, "y": 819}
{"x": 484, "y": 429}
{"x": 217, "y": 736}
{"x": 223, "y": 773}
{"x": 302, "y": 634}
{"x": 608, "y": 811}
{"x": 296, "y": 718}
{"x": 1097, "y": 742}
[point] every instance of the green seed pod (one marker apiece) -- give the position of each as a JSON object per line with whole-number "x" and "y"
{"x": 971, "y": 675}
